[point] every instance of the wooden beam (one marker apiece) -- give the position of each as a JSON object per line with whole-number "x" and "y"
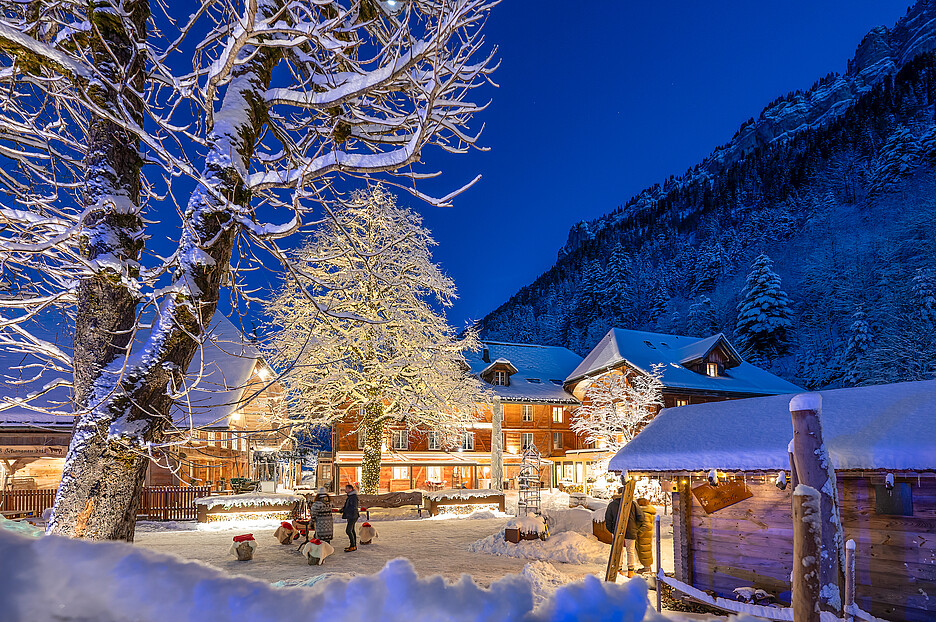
{"x": 685, "y": 531}
{"x": 617, "y": 542}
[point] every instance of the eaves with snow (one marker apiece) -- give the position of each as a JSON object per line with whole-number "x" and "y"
{"x": 890, "y": 427}
{"x": 536, "y": 372}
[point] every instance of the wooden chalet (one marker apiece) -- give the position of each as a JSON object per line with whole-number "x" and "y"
{"x": 227, "y": 414}
{"x": 882, "y": 442}
{"x": 694, "y": 371}
{"x": 528, "y": 381}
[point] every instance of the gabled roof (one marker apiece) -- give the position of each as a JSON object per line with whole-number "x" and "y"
{"x": 891, "y": 426}
{"x": 642, "y": 350}
{"x": 540, "y": 371}
{"x": 502, "y": 362}
{"x": 229, "y": 361}
{"x": 703, "y": 347}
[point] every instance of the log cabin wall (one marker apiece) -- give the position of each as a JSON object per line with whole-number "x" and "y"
{"x": 750, "y": 543}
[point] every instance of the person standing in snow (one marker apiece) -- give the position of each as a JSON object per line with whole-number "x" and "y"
{"x": 630, "y": 531}
{"x": 350, "y": 512}
{"x": 645, "y": 535}
{"x": 322, "y": 516}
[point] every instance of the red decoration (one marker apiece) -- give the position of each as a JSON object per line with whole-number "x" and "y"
{"x": 366, "y": 525}
{"x": 243, "y": 538}
{"x": 315, "y": 541}
{"x": 286, "y": 525}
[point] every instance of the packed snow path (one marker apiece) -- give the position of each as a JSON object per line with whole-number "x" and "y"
{"x": 433, "y": 546}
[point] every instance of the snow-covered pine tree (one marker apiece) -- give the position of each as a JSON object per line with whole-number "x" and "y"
{"x": 102, "y": 119}
{"x": 764, "y": 316}
{"x": 616, "y": 407}
{"x": 357, "y": 330}
{"x": 856, "y": 358}
{"x": 898, "y": 158}
{"x": 702, "y": 318}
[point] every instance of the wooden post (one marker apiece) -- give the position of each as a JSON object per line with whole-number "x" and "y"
{"x": 659, "y": 565}
{"x": 685, "y": 531}
{"x": 849, "y": 580}
{"x": 617, "y": 542}
{"x": 814, "y": 469}
{"x": 807, "y": 544}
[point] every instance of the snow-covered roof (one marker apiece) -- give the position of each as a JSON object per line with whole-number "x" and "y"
{"x": 641, "y": 350}
{"x": 891, "y": 426}
{"x": 540, "y": 371}
{"x": 229, "y": 361}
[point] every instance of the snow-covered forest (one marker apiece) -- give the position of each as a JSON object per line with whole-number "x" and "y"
{"x": 843, "y": 206}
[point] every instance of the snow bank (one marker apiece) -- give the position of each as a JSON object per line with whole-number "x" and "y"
{"x": 570, "y": 547}
{"x": 526, "y": 524}
{"x": 20, "y": 527}
{"x": 479, "y": 514}
{"x": 570, "y": 519}
{"x": 71, "y": 580}
{"x": 246, "y": 500}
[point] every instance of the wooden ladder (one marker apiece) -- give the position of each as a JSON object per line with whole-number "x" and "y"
{"x": 617, "y": 543}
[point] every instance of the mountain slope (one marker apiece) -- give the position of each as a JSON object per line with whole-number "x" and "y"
{"x": 834, "y": 184}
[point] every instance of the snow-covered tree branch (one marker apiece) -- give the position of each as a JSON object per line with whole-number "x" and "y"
{"x": 113, "y": 111}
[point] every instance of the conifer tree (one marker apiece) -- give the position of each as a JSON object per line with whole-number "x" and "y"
{"x": 764, "y": 316}
{"x": 855, "y": 361}
{"x": 702, "y": 318}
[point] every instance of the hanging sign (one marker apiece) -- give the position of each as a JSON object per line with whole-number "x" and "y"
{"x": 714, "y": 498}
{"x": 33, "y": 451}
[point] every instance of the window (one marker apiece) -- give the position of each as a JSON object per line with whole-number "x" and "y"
{"x": 468, "y": 441}
{"x": 435, "y": 474}
{"x": 360, "y": 439}
{"x": 357, "y": 475}
{"x": 400, "y": 440}
{"x": 650, "y": 345}
{"x": 682, "y": 401}
{"x": 711, "y": 369}
{"x": 526, "y": 440}
{"x": 528, "y": 412}
{"x": 500, "y": 378}
{"x": 400, "y": 473}
{"x": 557, "y": 414}
{"x": 434, "y": 441}
{"x": 534, "y": 380}
{"x": 557, "y": 440}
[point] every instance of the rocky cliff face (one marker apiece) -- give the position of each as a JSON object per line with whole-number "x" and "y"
{"x": 880, "y": 54}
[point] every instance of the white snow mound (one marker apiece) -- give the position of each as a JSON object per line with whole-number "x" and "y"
{"x": 569, "y": 547}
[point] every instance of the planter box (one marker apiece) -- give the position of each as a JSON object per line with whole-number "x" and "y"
{"x": 433, "y": 501}
{"x": 514, "y": 536}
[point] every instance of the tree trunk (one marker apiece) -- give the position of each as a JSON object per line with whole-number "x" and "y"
{"x": 497, "y": 446}
{"x": 122, "y": 410}
{"x": 373, "y": 427}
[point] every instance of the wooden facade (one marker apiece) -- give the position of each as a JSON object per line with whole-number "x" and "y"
{"x": 750, "y": 543}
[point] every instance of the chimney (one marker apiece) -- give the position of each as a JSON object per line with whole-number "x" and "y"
{"x": 485, "y": 354}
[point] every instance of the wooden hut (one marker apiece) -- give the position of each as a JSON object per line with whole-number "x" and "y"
{"x": 882, "y": 441}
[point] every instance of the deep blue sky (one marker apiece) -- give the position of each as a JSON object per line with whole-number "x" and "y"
{"x": 599, "y": 100}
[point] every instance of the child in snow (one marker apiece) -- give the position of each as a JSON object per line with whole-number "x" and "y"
{"x": 322, "y": 516}
{"x": 368, "y": 533}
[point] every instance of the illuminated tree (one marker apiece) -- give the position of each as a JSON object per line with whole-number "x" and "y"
{"x": 357, "y": 329}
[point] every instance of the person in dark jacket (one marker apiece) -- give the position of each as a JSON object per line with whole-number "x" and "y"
{"x": 350, "y": 511}
{"x": 631, "y": 530}
{"x": 322, "y": 516}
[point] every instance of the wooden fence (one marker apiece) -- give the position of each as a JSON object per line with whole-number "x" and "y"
{"x": 170, "y": 502}
{"x": 158, "y": 502}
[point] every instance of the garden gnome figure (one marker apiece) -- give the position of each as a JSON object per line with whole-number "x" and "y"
{"x": 243, "y": 547}
{"x": 368, "y": 533}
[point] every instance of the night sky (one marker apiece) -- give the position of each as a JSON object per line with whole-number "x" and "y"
{"x": 595, "y": 105}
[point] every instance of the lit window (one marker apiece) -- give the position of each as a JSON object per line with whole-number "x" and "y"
{"x": 528, "y": 412}
{"x": 526, "y": 440}
{"x": 435, "y": 474}
{"x": 399, "y": 440}
{"x": 557, "y": 440}
{"x": 500, "y": 378}
{"x": 357, "y": 475}
{"x": 682, "y": 401}
{"x": 433, "y": 441}
{"x": 711, "y": 369}
{"x": 468, "y": 441}
{"x": 557, "y": 414}
{"x": 400, "y": 473}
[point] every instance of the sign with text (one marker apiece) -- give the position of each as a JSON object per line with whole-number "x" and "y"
{"x": 714, "y": 498}
{"x": 33, "y": 451}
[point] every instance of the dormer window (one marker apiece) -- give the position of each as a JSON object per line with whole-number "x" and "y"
{"x": 711, "y": 369}
{"x": 500, "y": 378}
